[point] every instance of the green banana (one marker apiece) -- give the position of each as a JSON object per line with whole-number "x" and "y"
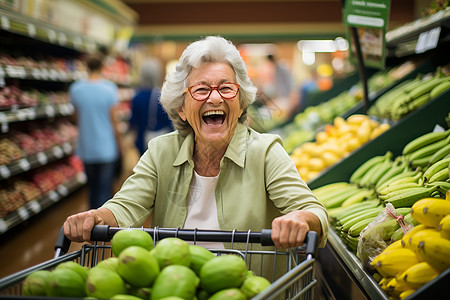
{"x": 355, "y": 229}
{"x": 337, "y": 200}
{"x": 406, "y": 176}
{"x": 364, "y": 216}
{"x": 440, "y": 154}
{"x": 418, "y": 102}
{"x": 421, "y": 162}
{"x": 428, "y": 149}
{"x": 442, "y": 186}
{"x": 367, "y": 165}
{"x": 425, "y": 86}
{"x": 439, "y": 176}
{"x": 410, "y": 196}
{"x": 436, "y": 167}
{"x": 424, "y": 140}
{"x": 366, "y": 180}
{"x": 388, "y": 192}
{"x": 383, "y": 169}
{"x": 358, "y": 214}
{"x": 364, "y": 194}
{"x": 325, "y": 189}
{"x": 440, "y": 88}
{"x": 329, "y": 197}
{"x": 341, "y": 212}
{"x": 395, "y": 170}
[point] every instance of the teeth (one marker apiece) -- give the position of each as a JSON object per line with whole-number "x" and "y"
{"x": 213, "y": 112}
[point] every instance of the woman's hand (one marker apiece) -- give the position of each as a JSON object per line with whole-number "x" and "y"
{"x": 78, "y": 227}
{"x": 290, "y": 230}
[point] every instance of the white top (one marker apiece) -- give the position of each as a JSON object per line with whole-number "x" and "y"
{"x": 202, "y": 210}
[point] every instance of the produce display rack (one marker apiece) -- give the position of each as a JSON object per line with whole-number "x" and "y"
{"x": 36, "y": 160}
{"x": 34, "y": 207}
{"x": 343, "y": 270}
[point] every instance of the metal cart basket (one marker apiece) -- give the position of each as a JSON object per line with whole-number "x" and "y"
{"x": 291, "y": 272}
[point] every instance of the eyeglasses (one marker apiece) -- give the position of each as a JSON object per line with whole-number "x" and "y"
{"x": 201, "y": 92}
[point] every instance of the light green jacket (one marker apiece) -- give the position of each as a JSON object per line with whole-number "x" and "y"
{"x": 258, "y": 182}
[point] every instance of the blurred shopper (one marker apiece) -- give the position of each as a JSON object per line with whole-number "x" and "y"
{"x": 95, "y": 100}
{"x": 148, "y": 118}
{"x": 278, "y": 86}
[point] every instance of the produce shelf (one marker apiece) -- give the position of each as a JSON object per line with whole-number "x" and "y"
{"x": 34, "y": 207}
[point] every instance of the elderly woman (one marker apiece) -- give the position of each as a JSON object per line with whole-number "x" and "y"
{"x": 213, "y": 172}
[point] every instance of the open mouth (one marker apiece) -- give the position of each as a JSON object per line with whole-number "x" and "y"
{"x": 214, "y": 117}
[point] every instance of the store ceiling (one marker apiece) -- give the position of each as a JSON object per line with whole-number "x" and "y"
{"x": 248, "y": 20}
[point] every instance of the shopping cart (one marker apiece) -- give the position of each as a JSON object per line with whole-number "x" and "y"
{"x": 292, "y": 271}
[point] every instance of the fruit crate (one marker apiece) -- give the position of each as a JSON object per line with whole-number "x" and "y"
{"x": 294, "y": 280}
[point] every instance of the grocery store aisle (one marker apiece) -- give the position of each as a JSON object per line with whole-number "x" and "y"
{"x": 32, "y": 242}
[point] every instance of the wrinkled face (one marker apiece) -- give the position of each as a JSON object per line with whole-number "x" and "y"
{"x": 214, "y": 119}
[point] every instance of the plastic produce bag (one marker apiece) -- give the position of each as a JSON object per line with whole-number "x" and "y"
{"x": 379, "y": 234}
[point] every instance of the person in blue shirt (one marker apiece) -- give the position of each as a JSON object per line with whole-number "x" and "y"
{"x": 95, "y": 100}
{"x": 148, "y": 118}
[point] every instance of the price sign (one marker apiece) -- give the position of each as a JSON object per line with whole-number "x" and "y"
{"x": 50, "y": 111}
{"x": 3, "y": 226}
{"x": 42, "y": 158}
{"x": 5, "y": 23}
{"x": 63, "y": 191}
{"x": 58, "y": 152}
{"x": 53, "y": 196}
{"x": 23, "y": 213}
{"x": 4, "y": 171}
{"x": 34, "y": 206}
{"x": 31, "y": 29}
{"x": 24, "y": 164}
{"x": 428, "y": 40}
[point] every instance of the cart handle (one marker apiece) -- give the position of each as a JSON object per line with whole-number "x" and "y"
{"x": 104, "y": 233}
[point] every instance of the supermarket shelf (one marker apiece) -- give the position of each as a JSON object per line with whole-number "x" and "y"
{"x": 33, "y": 113}
{"x": 36, "y": 160}
{"x": 39, "y": 30}
{"x": 45, "y": 74}
{"x": 34, "y": 207}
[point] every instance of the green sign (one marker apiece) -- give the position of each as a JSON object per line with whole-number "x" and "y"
{"x": 370, "y": 20}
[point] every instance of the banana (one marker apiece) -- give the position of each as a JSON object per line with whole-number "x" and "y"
{"x": 419, "y": 274}
{"x": 394, "y": 245}
{"x": 395, "y": 170}
{"x": 388, "y": 191}
{"x": 406, "y": 294}
{"x": 444, "y": 227}
{"x": 418, "y": 102}
{"x": 359, "y": 197}
{"x": 436, "y": 167}
{"x": 368, "y": 165}
{"x": 337, "y": 200}
{"x": 442, "y": 186}
{"x": 325, "y": 189}
{"x": 381, "y": 170}
{"x": 397, "y": 286}
{"x": 440, "y": 176}
{"x": 424, "y": 140}
{"x": 415, "y": 239}
{"x": 439, "y": 89}
{"x": 394, "y": 262}
{"x": 421, "y": 162}
{"x": 440, "y": 154}
{"x": 372, "y": 214}
{"x": 340, "y": 212}
{"x": 331, "y": 195}
{"x": 425, "y": 86}
{"x": 427, "y": 150}
{"x": 365, "y": 181}
{"x": 407, "y": 176}
{"x": 406, "y": 239}
{"x": 410, "y": 196}
{"x": 430, "y": 211}
{"x": 435, "y": 251}
{"x": 384, "y": 282}
{"x": 355, "y": 229}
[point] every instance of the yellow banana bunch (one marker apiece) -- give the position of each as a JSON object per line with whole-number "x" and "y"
{"x": 435, "y": 251}
{"x": 417, "y": 238}
{"x": 395, "y": 262}
{"x": 419, "y": 274}
{"x": 397, "y": 286}
{"x": 430, "y": 211}
{"x": 444, "y": 227}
